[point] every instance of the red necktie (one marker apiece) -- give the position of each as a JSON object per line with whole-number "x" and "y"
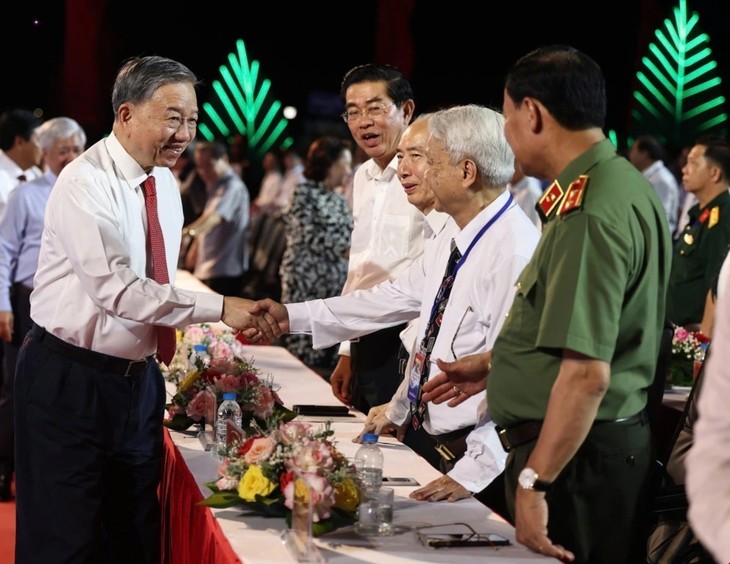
{"x": 165, "y": 335}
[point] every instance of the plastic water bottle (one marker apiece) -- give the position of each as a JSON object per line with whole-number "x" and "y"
{"x": 199, "y": 356}
{"x": 229, "y": 410}
{"x": 369, "y": 464}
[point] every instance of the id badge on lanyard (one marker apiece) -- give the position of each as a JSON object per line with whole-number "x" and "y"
{"x": 414, "y": 379}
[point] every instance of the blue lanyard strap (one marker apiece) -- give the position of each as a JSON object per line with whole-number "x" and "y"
{"x": 483, "y": 230}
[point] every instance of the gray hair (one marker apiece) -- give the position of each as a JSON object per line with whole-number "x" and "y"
{"x": 54, "y": 129}
{"x": 476, "y": 133}
{"x": 140, "y": 77}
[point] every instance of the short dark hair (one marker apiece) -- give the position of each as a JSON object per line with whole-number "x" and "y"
{"x": 650, "y": 145}
{"x": 717, "y": 150}
{"x": 16, "y": 122}
{"x": 567, "y": 82}
{"x": 398, "y": 87}
{"x": 214, "y": 149}
{"x": 140, "y": 77}
{"x": 322, "y": 153}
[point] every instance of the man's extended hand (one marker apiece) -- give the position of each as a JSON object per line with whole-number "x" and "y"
{"x": 459, "y": 380}
{"x": 237, "y": 314}
{"x": 531, "y": 511}
{"x": 440, "y": 489}
{"x": 340, "y": 380}
{"x": 378, "y": 423}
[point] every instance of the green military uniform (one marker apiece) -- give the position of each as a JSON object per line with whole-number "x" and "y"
{"x": 596, "y": 285}
{"x": 697, "y": 259}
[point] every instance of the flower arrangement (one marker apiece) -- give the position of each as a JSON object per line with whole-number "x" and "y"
{"x": 201, "y": 382}
{"x": 259, "y": 473}
{"x": 688, "y": 353}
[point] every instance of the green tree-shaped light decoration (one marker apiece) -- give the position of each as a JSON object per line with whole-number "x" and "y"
{"x": 238, "y": 105}
{"x": 679, "y": 95}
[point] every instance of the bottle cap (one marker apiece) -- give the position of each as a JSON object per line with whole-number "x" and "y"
{"x": 370, "y": 438}
{"x": 229, "y": 396}
{"x": 200, "y": 347}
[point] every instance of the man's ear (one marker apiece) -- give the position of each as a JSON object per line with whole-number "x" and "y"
{"x": 469, "y": 170}
{"x": 535, "y": 113}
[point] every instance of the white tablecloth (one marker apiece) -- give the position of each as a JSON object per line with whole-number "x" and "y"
{"x": 257, "y": 540}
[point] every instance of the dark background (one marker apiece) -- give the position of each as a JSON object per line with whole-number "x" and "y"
{"x": 453, "y": 51}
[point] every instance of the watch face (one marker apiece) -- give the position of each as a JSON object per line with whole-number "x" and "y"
{"x": 527, "y": 478}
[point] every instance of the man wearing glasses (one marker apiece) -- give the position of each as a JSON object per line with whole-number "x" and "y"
{"x": 388, "y": 230}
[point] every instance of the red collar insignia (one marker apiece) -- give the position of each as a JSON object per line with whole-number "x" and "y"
{"x": 549, "y": 199}
{"x": 574, "y": 195}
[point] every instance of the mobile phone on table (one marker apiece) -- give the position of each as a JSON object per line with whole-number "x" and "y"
{"x": 465, "y": 540}
{"x": 322, "y": 410}
{"x": 400, "y": 481}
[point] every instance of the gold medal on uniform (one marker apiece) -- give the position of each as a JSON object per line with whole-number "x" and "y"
{"x": 688, "y": 238}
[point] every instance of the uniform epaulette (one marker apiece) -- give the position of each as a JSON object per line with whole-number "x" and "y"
{"x": 573, "y": 199}
{"x": 714, "y": 217}
{"x": 549, "y": 200}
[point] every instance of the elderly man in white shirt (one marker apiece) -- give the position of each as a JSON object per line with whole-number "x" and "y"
{"x": 496, "y": 240}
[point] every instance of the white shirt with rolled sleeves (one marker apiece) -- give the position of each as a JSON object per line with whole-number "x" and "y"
{"x": 708, "y": 460}
{"x": 91, "y": 288}
{"x": 480, "y": 299}
{"x": 388, "y": 230}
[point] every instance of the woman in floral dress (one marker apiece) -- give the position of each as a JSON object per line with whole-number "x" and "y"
{"x": 318, "y": 225}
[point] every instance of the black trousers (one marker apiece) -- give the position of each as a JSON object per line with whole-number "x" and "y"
{"x": 20, "y": 302}
{"x": 376, "y": 368}
{"x": 88, "y": 460}
{"x": 598, "y": 505}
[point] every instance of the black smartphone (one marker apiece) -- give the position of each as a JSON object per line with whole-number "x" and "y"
{"x": 399, "y": 481}
{"x": 322, "y": 410}
{"x": 465, "y": 540}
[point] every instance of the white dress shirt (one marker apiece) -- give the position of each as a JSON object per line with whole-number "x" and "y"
{"x": 526, "y": 193}
{"x": 91, "y": 286}
{"x": 388, "y": 230}
{"x": 20, "y": 234}
{"x": 667, "y": 188}
{"x": 708, "y": 459}
{"x": 9, "y": 173}
{"x": 480, "y": 299}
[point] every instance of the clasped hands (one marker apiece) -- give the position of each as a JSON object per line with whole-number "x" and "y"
{"x": 258, "y": 321}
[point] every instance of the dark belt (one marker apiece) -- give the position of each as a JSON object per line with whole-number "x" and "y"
{"x": 527, "y": 431}
{"x": 452, "y": 445}
{"x": 92, "y": 359}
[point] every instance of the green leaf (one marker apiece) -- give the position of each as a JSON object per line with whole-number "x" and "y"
{"x": 220, "y": 499}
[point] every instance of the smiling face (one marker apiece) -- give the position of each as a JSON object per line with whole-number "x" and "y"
{"x": 378, "y": 136}
{"x": 157, "y": 131}
{"x": 413, "y": 164}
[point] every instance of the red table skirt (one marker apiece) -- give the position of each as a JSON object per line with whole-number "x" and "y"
{"x": 190, "y": 533}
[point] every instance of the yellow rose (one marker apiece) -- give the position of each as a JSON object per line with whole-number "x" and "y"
{"x": 188, "y": 381}
{"x": 347, "y": 495}
{"x": 254, "y": 482}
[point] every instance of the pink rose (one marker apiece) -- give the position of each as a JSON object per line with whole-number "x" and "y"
{"x": 312, "y": 456}
{"x": 221, "y": 349}
{"x": 265, "y": 404}
{"x": 681, "y": 333}
{"x": 260, "y": 450}
{"x": 203, "y": 403}
{"x": 194, "y": 334}
{"x": 227, "y": 383}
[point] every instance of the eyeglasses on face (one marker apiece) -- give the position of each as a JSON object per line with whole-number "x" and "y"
{"x": 375, "y": 111}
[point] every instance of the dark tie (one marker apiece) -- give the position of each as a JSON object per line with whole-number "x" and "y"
{"x": 165, "y": 335}
{"x": 22, "y": 178}
{"x": 434, "y": 324}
